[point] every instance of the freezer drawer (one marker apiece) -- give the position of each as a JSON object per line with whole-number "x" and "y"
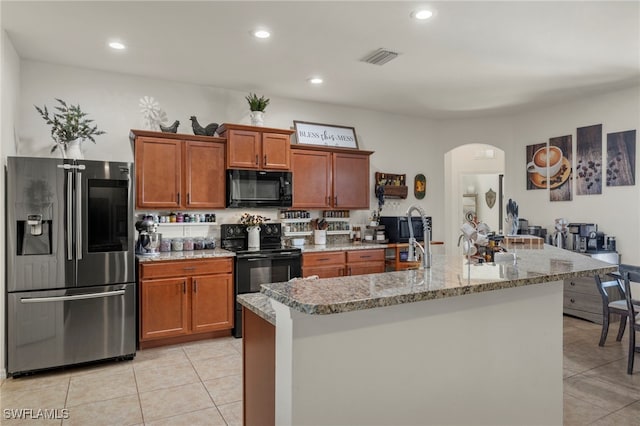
{"x": 64, "y": 327}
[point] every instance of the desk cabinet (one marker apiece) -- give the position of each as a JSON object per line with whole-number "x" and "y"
{"x": 327, "y": 179}
{"x": 582, "y": 299}
{"x": 337, "y": 263}
{"x": 257, "y": 148}
{"x": 185, "y": 299}
{"x": 176, "y": 171}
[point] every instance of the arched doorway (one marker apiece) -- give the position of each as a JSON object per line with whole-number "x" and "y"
{"x": 470, "y": 171}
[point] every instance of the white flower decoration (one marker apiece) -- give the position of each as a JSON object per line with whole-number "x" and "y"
{"x": 152, "y": 114}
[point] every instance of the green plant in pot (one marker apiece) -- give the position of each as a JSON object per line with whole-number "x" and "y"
{"x": 69, "y": 127}
{"x": 257, "y": 106}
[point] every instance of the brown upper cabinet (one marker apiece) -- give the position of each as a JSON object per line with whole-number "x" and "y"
{"x": 257, "y": 148}
{"x": 179, "y": 171}
{"x": 330, "y": 178}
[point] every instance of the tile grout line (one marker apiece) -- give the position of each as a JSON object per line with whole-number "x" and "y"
{"x": 206, "y": 389}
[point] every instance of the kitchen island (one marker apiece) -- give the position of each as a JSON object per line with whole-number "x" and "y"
{"x": 458, "y": 343}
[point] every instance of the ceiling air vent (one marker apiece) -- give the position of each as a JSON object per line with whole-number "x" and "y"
{"x": 380, "y": 57}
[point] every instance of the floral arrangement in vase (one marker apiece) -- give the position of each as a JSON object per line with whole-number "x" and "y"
{"x": 253, "y": 219}
{"x": 257, "y": 106}
{"x": 69, "y": 126}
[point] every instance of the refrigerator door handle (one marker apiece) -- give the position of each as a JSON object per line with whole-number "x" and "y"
{"x": 79, "y": 215}
{"x": 69, "y": 215}
{"x": 75, "y": 297}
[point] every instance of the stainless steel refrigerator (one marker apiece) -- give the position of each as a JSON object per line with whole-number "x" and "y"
{"x": 71, "y": 293}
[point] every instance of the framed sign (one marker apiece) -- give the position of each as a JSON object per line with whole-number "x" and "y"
{"x": 325, "y": 134}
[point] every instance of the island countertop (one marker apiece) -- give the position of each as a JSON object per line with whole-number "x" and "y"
{"x": 449, "y": 276}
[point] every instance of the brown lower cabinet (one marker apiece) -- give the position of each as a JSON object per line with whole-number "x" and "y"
{"x": 185, "y": 300}
{"x": 258, "y": 370}
{"x": 332, "y": 264}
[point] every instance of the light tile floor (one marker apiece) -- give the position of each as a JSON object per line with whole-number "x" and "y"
{"x": 196, "y": 383}
{"x": 201, "y": 384}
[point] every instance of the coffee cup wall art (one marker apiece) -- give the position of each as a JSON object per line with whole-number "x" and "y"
{"x": 547, "y": 166}
{"x": 560, "y": 183}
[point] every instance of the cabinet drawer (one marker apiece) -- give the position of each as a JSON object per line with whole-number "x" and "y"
{"x": 586, "y": 285}
{"x": 365, "y": 255}
{"x": 324, "y": 258}
{"x": 186, "y": 267}
{"x": 583, "y": 302}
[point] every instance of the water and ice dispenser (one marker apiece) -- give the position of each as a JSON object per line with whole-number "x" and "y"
{"x": 34, "y": 236}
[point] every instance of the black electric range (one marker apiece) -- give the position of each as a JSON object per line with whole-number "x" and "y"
{"x": 255, "y": 266}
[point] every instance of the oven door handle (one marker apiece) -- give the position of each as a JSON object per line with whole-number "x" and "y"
{"x": 252, "y": 257}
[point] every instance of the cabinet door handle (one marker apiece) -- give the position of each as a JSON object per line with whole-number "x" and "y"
{"x": 184, "y": 287}
{"x": 349, "y": 270}
{"x": 189, "y": 268}
{"x": 265, "y": 159}
{"x": 572, "y": 283}
{"x": 335, "y": 201}
{"x": 195, "y": 286}
{"x": 178, "y": 198}
{"x": 328, "y": 200}
{"x": 573, "y": 300}
{"x": 256, "y": 159}
{"x": 365, "y": 257}
{"x": 324, "y": 259}
{"x": 188, "y": 198}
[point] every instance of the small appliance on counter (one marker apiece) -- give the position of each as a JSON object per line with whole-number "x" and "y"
{"x": 148, "y": 243}
{"x": 580, "y": 235}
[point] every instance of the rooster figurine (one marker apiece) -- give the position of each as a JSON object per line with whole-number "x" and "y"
{"x": 210, "y": 130}
{"x": 170, "y": 129}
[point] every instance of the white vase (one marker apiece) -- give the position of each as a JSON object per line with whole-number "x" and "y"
{"x": 257, "y": 118}
{"x": 254, "y": 236}
{"x": 73, "y": 151}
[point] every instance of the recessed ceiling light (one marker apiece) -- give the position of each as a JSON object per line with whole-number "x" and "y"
{"x": 261, "y": 34}
{"x": 315, "y": 80}
{"x": 117, "y": 45}
{"x": 422, "y": 14}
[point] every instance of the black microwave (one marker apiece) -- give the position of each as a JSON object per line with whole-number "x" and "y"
{"x": 397, "y": 228}
{"x": 255, "y": 188}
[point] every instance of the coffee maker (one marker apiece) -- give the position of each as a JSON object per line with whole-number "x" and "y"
{"x": 148, "y": 242}
{"x": 596, "y": 241}
{"x": 580, "y": 235}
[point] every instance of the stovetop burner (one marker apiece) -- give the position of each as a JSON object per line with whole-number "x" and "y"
{"x": 235, "y": 238}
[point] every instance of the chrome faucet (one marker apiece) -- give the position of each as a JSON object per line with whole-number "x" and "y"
{"x": 426, "y": 249}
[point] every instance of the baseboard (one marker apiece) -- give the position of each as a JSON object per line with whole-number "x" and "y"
{"x": 3, "y": 374}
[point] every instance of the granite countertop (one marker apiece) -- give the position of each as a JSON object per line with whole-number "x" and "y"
{"x": 449, "y": 276}
{"x": 259, "y": 304}
{"x": 186, "y": 255}
{"x": 341, "y": 247}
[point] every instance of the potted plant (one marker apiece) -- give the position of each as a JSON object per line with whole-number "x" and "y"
{"x": 257, "y": 106}
{"x": 69, "y": 127}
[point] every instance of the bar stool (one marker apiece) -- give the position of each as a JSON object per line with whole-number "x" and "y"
{"x": 632, "y": 308}
{"x": 618, "y": 307}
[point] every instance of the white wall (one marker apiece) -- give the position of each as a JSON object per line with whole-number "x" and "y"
{"x": 617, "y": 210}
{"x": 401, "y": 144}
{"x": 9, "y": 91}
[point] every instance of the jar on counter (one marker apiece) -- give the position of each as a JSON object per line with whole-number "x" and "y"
{"x": 198, "y": 243}
{"x": 172, "y": 218}
{"x": 187, "y": 244}
{"x": 179, "y": 217}
{"x": 165, "y": 245}
{"x": 209, "y": 243}
{"x": 177, "y": 244}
